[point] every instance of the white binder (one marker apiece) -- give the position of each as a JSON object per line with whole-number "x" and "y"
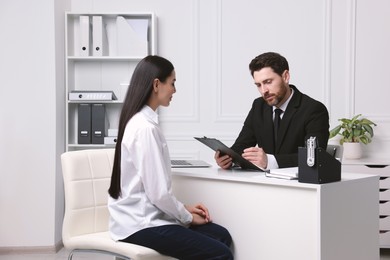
{"x": 110, "y": 26}
{"x": 99, "y": 37}
{"x": 132, "y": 36}
{"x": 77, "y": 95}
{"x": 84, "y": 35}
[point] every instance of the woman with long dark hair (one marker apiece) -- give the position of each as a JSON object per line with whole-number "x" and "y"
{"x": 143, "y": 209}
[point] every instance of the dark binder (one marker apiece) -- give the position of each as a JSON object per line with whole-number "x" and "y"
{"x": 98, "y": 123}
{"x": 84, "y": 124}
{"x": 326, "y": 168}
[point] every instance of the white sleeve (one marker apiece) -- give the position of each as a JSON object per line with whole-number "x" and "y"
{"x": 272, "y": 163}
{"x": 155, "y": 171}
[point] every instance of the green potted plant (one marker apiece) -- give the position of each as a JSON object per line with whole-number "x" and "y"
{"x": 353, "y": 132}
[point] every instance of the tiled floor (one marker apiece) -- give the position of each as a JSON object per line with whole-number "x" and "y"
{"x": 63, "y": 255}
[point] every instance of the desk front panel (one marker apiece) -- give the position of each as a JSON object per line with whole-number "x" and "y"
{"x": 265, "y": 221}
{"x": 280, "y": 219}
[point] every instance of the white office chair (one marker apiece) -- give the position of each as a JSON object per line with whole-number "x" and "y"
{"x": 87, "y": 176}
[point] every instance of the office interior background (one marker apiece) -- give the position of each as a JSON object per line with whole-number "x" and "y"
{"x": 337, "y": 50}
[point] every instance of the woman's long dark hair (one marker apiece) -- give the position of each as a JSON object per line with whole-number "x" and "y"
{"x": 138, "y": 94}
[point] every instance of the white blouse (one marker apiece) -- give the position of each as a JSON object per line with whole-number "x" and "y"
{"x": 147, "y": 199}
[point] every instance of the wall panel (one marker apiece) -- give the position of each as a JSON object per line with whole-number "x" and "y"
{"x": 337, "y": 51}
{"x": 235, "y": 34}
{"x": 372, "y": 65}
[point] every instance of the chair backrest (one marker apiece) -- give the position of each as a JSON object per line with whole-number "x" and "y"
{"x": 86, "y": 176}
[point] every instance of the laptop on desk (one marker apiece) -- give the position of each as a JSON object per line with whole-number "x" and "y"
{"x": 189, "y": 164}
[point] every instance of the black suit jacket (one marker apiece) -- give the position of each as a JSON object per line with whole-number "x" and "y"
{"x": 304, "y": 117}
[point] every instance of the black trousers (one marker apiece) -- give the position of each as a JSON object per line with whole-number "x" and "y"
{"x": 198, "y": 242}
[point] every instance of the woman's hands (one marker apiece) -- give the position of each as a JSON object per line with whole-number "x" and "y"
{"x": 200, "y": 214}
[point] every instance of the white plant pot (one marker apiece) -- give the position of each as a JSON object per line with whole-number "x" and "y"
{"x": 352, "y": 150}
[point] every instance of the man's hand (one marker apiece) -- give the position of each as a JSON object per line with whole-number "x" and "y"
{"x": 256, "y": 156}
{"x": 224, "y": 161}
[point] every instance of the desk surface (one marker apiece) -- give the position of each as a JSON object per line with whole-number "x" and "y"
{"x": 239, "y": 175}
{"x": 367, "y": 161}
{"x": 276, "y": 219}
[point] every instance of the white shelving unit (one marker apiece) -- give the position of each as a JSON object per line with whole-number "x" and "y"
{"x": 111, "y": 71}
{"x": 380, "y": 167}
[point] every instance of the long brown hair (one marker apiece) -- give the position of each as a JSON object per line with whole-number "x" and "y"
{"x": 141, "y": 85}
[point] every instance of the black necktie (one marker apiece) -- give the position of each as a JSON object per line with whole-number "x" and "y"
{"x": 278, "y": 112}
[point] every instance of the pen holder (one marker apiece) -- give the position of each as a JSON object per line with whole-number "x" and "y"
{"x": 326, "y": 168}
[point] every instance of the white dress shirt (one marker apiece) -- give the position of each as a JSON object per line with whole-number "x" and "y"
{"x": 147, "y": 199}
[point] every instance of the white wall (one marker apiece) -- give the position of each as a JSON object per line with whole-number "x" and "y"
{"x": 31, "y": 118}
{"x": 337, "y": 52}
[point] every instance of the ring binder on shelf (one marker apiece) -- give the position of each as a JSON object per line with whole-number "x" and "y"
{"x": 85, "y": 35}
{"x": 92, "y": 95}
{"x": 99, "y": 37}
{"x": 110, "y": 139}
{"x": 84, "y": 124}
{"x": 99, "y": 123}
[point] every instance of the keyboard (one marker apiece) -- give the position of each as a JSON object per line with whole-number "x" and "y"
{"x": 180, "y": 162}
{"x": 189, "y": 164}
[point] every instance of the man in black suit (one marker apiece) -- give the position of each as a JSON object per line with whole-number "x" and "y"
{"x": 301, "y": 118}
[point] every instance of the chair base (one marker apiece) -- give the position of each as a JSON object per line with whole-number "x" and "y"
{"x": 117, "y": 256}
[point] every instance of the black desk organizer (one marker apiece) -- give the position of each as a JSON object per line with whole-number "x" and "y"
{"x": 326, "y": 168}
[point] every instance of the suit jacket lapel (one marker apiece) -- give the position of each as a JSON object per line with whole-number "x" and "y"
{"x": 268, "y": 128}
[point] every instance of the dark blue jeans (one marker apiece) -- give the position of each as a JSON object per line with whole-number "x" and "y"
{"x": 209, "y": 241}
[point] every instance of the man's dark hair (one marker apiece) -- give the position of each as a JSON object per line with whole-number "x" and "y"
{"x": 272, "y": 60}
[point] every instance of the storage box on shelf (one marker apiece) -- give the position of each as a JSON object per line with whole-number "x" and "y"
{"x": 380, "y": 167}
{"x": 102, "y": 50}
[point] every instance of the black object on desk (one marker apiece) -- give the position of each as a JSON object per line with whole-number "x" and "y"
{"x": 325, "y": 169}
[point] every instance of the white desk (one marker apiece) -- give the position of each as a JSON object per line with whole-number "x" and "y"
{"x": 277, "y": 219}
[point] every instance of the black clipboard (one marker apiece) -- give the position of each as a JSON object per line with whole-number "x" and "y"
{"x": 217, "y": 145}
